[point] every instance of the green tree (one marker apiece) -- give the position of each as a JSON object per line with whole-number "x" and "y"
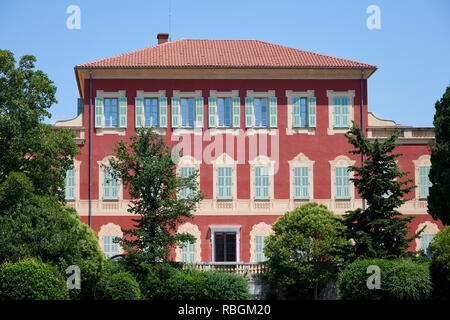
{"x": 440, "y": 264}
{"x": 41, "y": 151}
{"x": 36, "y": 226}
{"x": 379, "y": 231}
{"x": 305, "y": 250}
{"x": 148, "y": 171}
{"x": 438, "y": 204}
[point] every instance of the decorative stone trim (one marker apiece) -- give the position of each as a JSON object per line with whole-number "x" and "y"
{"x": 110, "y": 229}
{"x": 430, "y": 228}
{"x": 331, "y": 94}
{"x": 422, "y": 161}
{"x": 290, "y": 130}
{"x": 195, "y": 231}
{"x": 151, "y": 94}
{"x": 301, "y": 160}
{"x": 260, "y": 229}
{"x": 261, "y": 94}
{"x": 341, "y": 161}
{"x": 224, "y": 94}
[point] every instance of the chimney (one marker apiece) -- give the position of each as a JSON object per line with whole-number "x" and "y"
{"x": 163, "y": 38}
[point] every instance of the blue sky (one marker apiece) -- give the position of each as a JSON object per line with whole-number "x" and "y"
{"x": 411, "y": 50}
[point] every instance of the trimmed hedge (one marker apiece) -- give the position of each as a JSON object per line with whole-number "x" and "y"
{"x": 122, "y": 286}
{"x": 440, "y": 264}
{"x": 167, "y": 283}
{"x": 31, "y": 280}
{"x": 400, "y": 280}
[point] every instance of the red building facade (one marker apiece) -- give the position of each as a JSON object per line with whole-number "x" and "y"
{"x": 263, "y": 124}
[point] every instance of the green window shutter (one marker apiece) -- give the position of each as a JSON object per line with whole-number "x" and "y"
{"x": 123, "y": 112}
{"x": 163, "y": 112}
{"x": 296, "y": 122}
{"x": 262, "y": 183}
{"x": 98, "y": 112}
{"x": 224, "y": 183}
{"x": 236, "y": 112}
{"x": 425, "y": 241}
{"x": 188, "y": 252}
{"x": 248, "y": 112}
{"x": 138, "y": 112}
{"x": 342, "y": 183}
{"x": 70, "y": 184}
{"x": 258, "y": 184}
{"x": 301, "y": 183}
{"x": 175, "y": 105}
{"x": 199, "y": 112}
{"x": 424, "y": 182}
{"x": 80, "y": 106}
{"x": 212, "y": 107}
{"x": 337, "y": 112}
{"x": 344, "y": 112}
{"x": 186, "y": 172}
{"x": 312, "y": 112}
{"x": 259, "y": 248}
{"x": 273, "y": 111}
{"x": 110, "y": 186}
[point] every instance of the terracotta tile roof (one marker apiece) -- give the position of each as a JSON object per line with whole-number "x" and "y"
{"x": 202, "y": 53}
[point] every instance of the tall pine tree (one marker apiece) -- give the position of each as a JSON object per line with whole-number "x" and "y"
{"x": 438, "y": 204}
{"x": 378, "y": 231}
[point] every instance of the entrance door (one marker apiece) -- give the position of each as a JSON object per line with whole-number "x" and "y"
{"x": 225, "y": 246}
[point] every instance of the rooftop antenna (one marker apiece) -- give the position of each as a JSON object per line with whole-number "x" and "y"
{"x": 170, "y": 21}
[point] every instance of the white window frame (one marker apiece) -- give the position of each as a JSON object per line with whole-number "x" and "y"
{"x": 331, "y": 94}
{"x": 105, "y": 162}
{"x": 262, "y": 161}
{"x": 225, "y": 228}
{"x": 260, "y": 229}
{"x": 113, "y": 95}
{"x": 301, "y": 160}
{"x": 187, "y": 95}
{"x": 260, "y": 95}
{"x": 193, "y": 230}
{"x": 341, "y": 161}
{"x": 423, "y": 161}
{"x": 290, "y": 130}
{"x": 153, "y": 94}
{"x": 224, "y": 160}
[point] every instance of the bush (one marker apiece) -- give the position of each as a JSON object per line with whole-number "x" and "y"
{"x": 440, "y": 265}
{"x": 109, "y": 269}
{"x": 122, "y": 286}
{"x": 400, "y": 280}
{"x": 31, "y": 280}
{"x": 166, "y": 282}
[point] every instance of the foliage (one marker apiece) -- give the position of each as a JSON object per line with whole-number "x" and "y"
{"x": 110, "y": 268}
{"x": 122, "y": 286}
{"x": 438, "y": 204}
{"x": 305, "y": 250}
{"x": 400, "y": 280}
{"x": 46, "y": 229}
{"x": 379, "y": 231}
{"x": 43, "y": 153}
{"x": 168, "y": 283}
{"x": 440, "y": 265}
{"x": 31, "y": 280}
{"x": 149, "y": 173}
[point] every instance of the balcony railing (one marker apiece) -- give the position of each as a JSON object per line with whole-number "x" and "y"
{"x": 231, "y": 267}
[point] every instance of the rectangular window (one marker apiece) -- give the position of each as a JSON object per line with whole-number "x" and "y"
{"x": 110, "y": 246}
{"x": 225, "y": 246}
{"x": 186, "y": 172}
{"x": 70, "y": 184}
{"x": 224, "y": 112}
{"x": 303, "y": 112}
{"x": 262, "y": 183}
{"x": 187, "y": 112}
{"x": 424, "y": 182}
{"x": 111, "y": 112}
{"x": 260, "y": 105}
{"x": 341, "y": 116}
{"x": 224, "y": 183}
{"x": 342, "y": 183}
{"x": 259, "y": 248}
{"x": 301, "y": 183}
{"x": 151, "y": 112}
{"x": 110, "y": 185}
{"x": 425, "y": 241}
{"x": 188, "y": 254}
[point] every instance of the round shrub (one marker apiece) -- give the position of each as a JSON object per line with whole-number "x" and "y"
{"x": 109, "y": 269}
{"x": 399, "y": 280}
{"x": 440, "y": 264}
{"x": 31, "y": 280}
{"x": 122, "y": 286}
{"x": 155, "y": 284}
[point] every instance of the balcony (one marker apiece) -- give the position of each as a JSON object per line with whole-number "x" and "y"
{"x": 243, "y": 268}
